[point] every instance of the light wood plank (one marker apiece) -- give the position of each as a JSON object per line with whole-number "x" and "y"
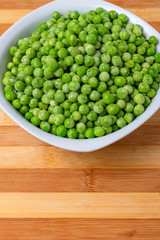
{"x": 5, "y": 120}
{"x": 80, "y": 205}
{"x": 80, "y": 180}
{"x": 81, "y": 229}
{"x": 11, "y": 4}
{"x": 31, "y": 157}
{"x": 4, "y": 27}
{"x": 12, "y": 16}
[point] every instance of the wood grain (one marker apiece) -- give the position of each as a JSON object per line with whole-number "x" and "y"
{"x": 49, "y": 193}
{"x": 32, "y": 157}
{"x": 80, "y": 205}
{"x": 79, "y": 229}
{"x": 32, "y": 4}
{"x": 11, "y": 16}
{"x": 80, "y": 180}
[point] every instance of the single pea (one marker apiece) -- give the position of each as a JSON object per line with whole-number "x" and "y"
{"x": 95, "y": 95}
{"x": 121, "y": 103}
{"x": 66, "y": 105}
{"x": 113, "y": 89}
{"x": 10, "y": 95}
{"x": 153, "y": 72}
{"x": 82, "y": 98}
{"x": 98, "y": 108}
{"x": 74, "y": 86}
{"x": 113, "y": 109}
{"x": 92, "y": 116}
{"x": 86, "y": 89}
{"x": 76, "y": 116}
{"x": 73, "y": 96}
{"x": 59, "y": 97}
{"x": 147, "y": 101}
{"x": 24, "y": 100}
{"x": 120, "y": 81}
{"x": 81, "y": 127}
{"x": 129, "y": 88}
{"x": 104, "y": 67}
{"x": 16, "y": 104}
{"x": 28, "y": 116}
{"x": 83, "y": 109}
{"x": 139, "y": 98}
{"x": 45, "y": 126}
{"x": 72, "y": 133}
{"x": 89, "y": 133}
{"x": 37, "y": 82}
{"x": 43, "y": 115}
{"x": 93, "y": 82}
{"x": 31, "y": 53}
{"x": 112, "y": 14}
{"x": 155, "y": 85}
{"x": 102, "y": 86}
{"x": 121, "y": 122}
{"x": 67, "y": 113}
{"x": 91, "y": 39}
{"x": 116, "y": 61}
{"x": 19, "y": 86}
{"x": 59, "y": 119}
{"x": 35, "y": 121}
{"x": 8, "y": 88}
{"x": 89, "y": 61}
{"x": 54, "y": 129}
{"x": 106, "y": 121}
{"x": 143, "y": 87}
{"x": 92, "y": 72}
{"x": 90, "y": 49}
{"x": 157, "y": 57}
{"x": 61, "y": 131}
{"x": 104, "y": 76}
{"x": 74, "y": 107}
{"x": 99, "y": 131}
{"x": 81, "y": 70}
{"x": 147, "y": 79}
{"x": 108, "y": 98}
{"x": 138, "y": 109}
{"x": 151, "y": 93}
{"x": 129, "y": 107}
{"x": 122, "y": 93}
{"x": 69, "y": 123}
{"x": 129, "y": 117}
{"x": 120, "y": 114}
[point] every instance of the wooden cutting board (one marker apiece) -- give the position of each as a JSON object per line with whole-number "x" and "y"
{"x": 51, "y": 194}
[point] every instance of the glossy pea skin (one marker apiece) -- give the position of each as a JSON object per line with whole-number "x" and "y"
{"x": 83, "y": 75}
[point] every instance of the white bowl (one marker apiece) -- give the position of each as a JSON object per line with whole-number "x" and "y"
{"x": 24, "y": 28}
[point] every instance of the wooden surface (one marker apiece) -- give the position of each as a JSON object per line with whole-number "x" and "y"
{"x": 51, "y": 194}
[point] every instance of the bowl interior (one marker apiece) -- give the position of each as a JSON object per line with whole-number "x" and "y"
{"x": 24, "y": 28}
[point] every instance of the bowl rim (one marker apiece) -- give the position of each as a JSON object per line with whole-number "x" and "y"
{"x": 79, "y": 145}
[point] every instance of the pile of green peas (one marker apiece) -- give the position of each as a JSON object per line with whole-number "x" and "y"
{"x": 83, "y": 76}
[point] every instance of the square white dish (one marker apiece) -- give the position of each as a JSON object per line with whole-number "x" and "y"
{"x": 24, "y": 28}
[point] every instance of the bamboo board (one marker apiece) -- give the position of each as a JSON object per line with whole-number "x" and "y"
{"x": 48, "y": 193}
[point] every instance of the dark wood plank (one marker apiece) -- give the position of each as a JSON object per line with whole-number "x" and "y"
{"x": 80, "y": 180}
{"x": 79, "y": 229}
